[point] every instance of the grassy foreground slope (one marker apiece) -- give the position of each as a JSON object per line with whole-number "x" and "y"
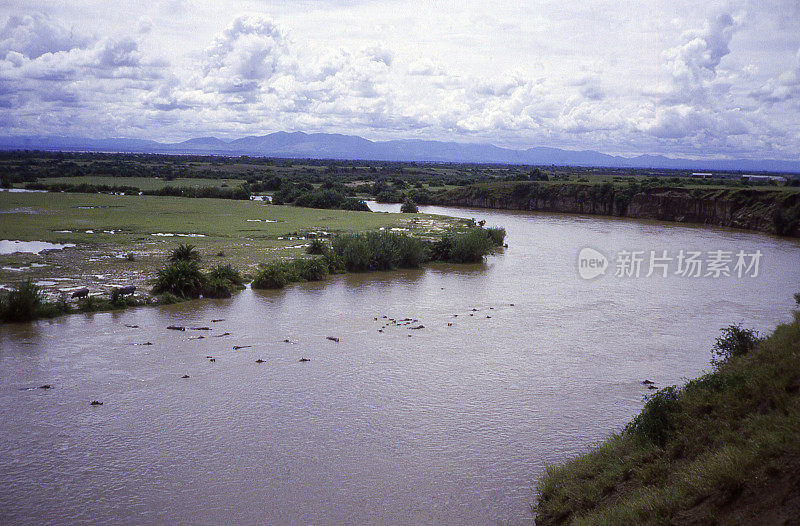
{"x": 723, "y": 449}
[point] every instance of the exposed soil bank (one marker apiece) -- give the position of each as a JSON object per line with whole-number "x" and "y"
{"x": 771, "y": 211}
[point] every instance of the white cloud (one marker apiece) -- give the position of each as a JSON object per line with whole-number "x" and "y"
{"x": 681, "y": 79}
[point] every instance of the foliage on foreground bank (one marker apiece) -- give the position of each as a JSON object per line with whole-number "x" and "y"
{"x": 374, "y": 251}
{"x": 722, "y": 449}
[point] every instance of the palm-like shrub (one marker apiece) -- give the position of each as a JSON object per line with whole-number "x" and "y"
{"x": 184, "y": 253}
{"x": 181, "y": 278}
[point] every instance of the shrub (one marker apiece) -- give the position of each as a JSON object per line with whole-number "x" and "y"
{"x": 88, "y": 304}
{"x": 496, "y": 235}
{"x": 657, "y": 420}
{"x": 354, "y": 204}
{"x": 352, "y": 252}
{"x": 168, "y": 298}
{"x": 229, "y": 274}
{"x": 317, "y": 247}
{"x": 408, "y": 207}
{"x": 181, "y": 278}
{"x": 378, "y": 251}
{"x": 735, "y": 341}
{"x": 411, "y": 251}
{"x": 311, "y": 269}
{"x": 184, "y": 253}
{"x": 217, "y": 287}
{"x": 117, "y": 299}
{"x": 272, "y": 276}
{"x": 22, "y": 304}
{"x": 463, "y": 247}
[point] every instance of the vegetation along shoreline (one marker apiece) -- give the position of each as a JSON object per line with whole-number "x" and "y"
{"x": 181, "y": 278}
{"x": 722, "y": 449}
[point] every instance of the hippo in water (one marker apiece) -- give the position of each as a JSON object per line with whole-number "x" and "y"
{"x": 80, "y": 293}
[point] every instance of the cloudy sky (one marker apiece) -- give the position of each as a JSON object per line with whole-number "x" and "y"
{"x": 692, "y": 79}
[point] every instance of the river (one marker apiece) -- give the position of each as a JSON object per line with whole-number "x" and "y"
{"x": 520, "y": 363}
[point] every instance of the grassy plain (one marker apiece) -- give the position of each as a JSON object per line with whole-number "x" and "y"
{"x": 142, "y": 183}
{"x": 106, "y": 228}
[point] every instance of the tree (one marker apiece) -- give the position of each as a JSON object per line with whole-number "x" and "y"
{"x": 409, "y": 207}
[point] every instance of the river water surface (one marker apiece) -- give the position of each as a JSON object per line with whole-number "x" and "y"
{"x": 450, "y": 423}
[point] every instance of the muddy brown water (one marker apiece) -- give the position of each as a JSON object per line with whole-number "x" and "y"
{"x": 450, "y": 423}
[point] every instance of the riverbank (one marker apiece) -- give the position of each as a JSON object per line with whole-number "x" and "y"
{"x": 124, "y": 240}
{"x": 773, "y": 211}
{"x": 181, "y": 277}
{"x": 720, "y": 450}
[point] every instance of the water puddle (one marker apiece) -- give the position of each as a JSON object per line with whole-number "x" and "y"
{"x": 170, "y": 234}
{"x": 19, "y": 210}
{"x": 31, "y": 247}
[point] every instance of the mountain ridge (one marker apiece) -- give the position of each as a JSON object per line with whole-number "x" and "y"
{"x": 301, "y": 145}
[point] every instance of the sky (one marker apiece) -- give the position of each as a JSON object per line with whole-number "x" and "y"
{"x": 684, "y": 79}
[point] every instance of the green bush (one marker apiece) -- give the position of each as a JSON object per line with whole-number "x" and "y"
{"x": 184, "y": 253}
{"x": 117, "y": 299}
{"x": 735, "y": 341}
{"x": 352, "y": 252}
{"x": 657, "y": 419}
{"x": 411, "y": 251}
{"x": 379, "y": 251}
{"x": 274, "y": 275}
{"x": 168, "y": 298}
{"x": 317, "y": 247}
{"x": 181, "y": 278}
{"x": 408, "y": 207}
{"x": 229, "y": 274}
{"x": 89, "y": 304}
{"x": 217, "y": 287}
{"x": 496, "y": 235}
{"x": 310, "y": 269}
{"x": 22, "y": 304}
{"x": 463, "y": 247}
{"x": 278, "y": 274}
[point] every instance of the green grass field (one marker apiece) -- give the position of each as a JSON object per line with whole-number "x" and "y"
{"x": 246, "y": 232}
{"x": 142, "y": 183}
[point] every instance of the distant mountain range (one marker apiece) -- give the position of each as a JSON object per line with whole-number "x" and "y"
{"x": 299, "y": 145}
